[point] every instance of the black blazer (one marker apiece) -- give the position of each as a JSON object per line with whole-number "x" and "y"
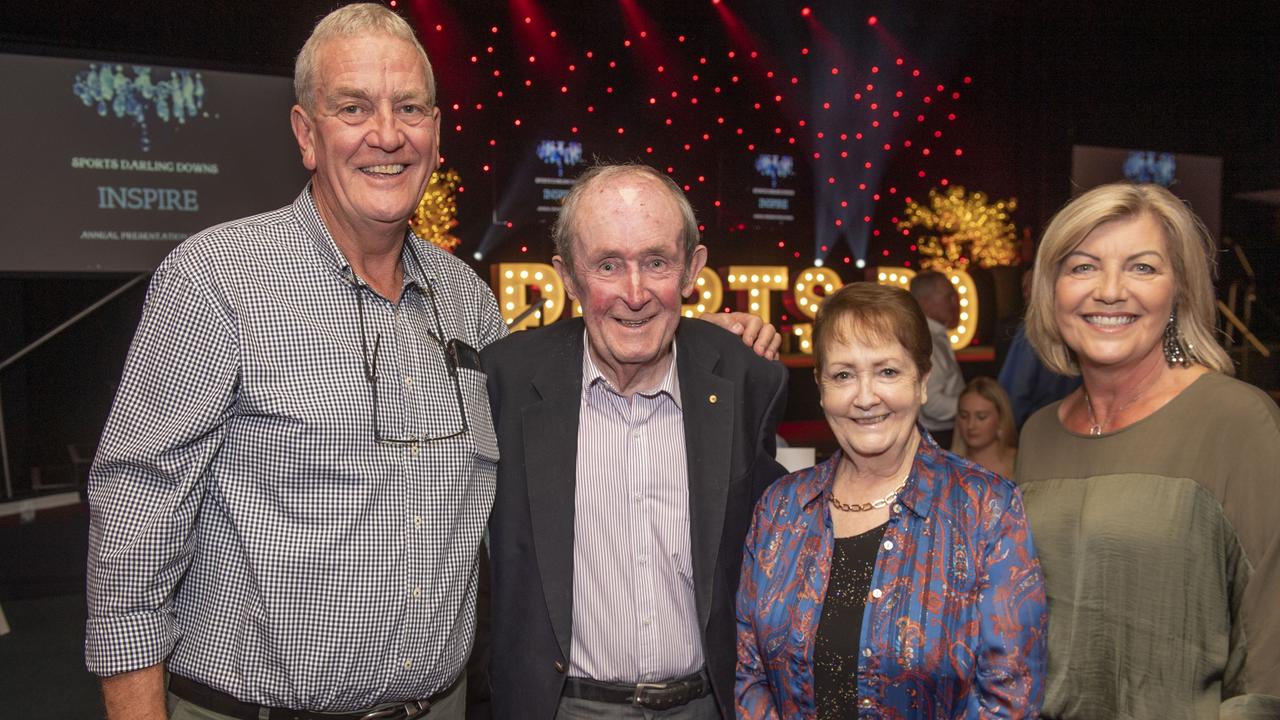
{"x": 535, "y": 390}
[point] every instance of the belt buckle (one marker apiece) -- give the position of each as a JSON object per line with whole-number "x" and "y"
{"x": 408, "y": 711}
{"x": 677, "y": 697}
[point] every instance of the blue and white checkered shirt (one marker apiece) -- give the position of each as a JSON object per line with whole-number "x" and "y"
{"x": 245, "y": 524}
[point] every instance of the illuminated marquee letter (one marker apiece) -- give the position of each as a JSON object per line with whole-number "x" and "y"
{"x": 962, "y": 334}
{"x": 512, "y": 283}
{"x": 758, "y": 281}
{"x": 708, "y": 294}
{"x": 812, "y": 286}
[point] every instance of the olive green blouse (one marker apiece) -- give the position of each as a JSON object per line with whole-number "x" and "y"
{"x": 1160, "y": 545}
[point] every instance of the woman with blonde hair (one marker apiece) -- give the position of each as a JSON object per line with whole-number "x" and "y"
{"x": 985, "y": 432}
{"x": 1153, "y": 489}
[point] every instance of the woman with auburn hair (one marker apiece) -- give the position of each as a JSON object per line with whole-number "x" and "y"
{"x": 1154, "y": 489}
{"x": 985, "y": 433}
{"x": 893, "y": 580}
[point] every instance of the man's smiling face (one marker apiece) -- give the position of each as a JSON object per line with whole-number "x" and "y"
{"x": 372, "y": 137}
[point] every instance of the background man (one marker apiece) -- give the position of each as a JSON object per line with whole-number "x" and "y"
{"x": 291, "y": 489}
{"x": 941, "y": 305}
{"x": 634, "y": 446}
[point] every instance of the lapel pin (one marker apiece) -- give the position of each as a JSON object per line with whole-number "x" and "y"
{"x": 712, "y": 399}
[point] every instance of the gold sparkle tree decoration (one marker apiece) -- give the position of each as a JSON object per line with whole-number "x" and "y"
{"x": 957, "y": 230}
{"x": 437, "y": 211}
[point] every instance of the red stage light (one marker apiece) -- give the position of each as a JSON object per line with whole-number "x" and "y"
{"x": 805, "y": 12}
{"x": 835, "y": 71}
{"x": 967, "y": 80}
{"x": 943, "y": 182}
{"x": 517, "y": 122}
{"x": 817, "y": 155}
{"x": 804, "y": 51}
{"x": 494, "y": 29}
{"x": 872, "y": 20}
{"x": 621, "y": 130}
{"x": 875, "y": 69}
{"x": 959, "y": 152}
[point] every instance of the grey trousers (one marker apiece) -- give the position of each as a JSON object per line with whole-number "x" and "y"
{"x": 704, "y": 708}
{"x": 451, "y": 707}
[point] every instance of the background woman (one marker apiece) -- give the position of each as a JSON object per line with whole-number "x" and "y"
{"x": 1152, "y": 490}
{"x": 985, "y": 432}
{"x": 933, "y": 553}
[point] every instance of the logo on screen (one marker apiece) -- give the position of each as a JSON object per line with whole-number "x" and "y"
{"x": 113, "y": 92}
{"x": 1149, "y": 167}
{"x": 560, "y": 153}
{"x": 775, "y": 167}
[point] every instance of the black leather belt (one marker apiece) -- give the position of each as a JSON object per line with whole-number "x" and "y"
{"x": 222, "y": 703}
{"x": 651, "y": 695}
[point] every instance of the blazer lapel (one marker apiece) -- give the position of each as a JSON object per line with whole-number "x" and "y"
{"x": 708, "y": 401}
{"x": 551, "y": 453}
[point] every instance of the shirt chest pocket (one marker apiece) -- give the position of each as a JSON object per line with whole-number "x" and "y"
{"x": 475, "y": 400}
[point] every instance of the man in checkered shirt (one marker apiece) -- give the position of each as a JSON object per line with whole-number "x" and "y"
{"x": 290, "y": 492}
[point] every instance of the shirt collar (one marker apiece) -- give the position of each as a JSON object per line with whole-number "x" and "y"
{"x": 918, "y": 495}
{"x": 415, "y": 256}
{"x": 591, "y": 374}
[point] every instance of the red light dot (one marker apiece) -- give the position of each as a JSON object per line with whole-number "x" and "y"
{"x": 943, "y": 182}
{"x": 919, "y": 118}
{"x": 951, "y": 116}
{"x": 644, "y": 33}
{"x": 876, "y": 197}
{"x": 653, "y": 101}
{"x": 915, "y": 73}
{"x": 885, "y": 253}
{"x": 706, "y": 136}
{"x": 733, "y": 79}
{"x": 497, "y": 73}
{"x": 846, "y": 260}
{"x": 838, "y": 224}
{"x": 668, "y": 121}
{"x": 781, "y": 244}
{"x": 866, "y": 218}
{"x": 533, "y": 58}
{"x": 732, "y": 53}
{"x": 927, "y": 99}
{"x": 680, "y": 39}
{"x": 456, "y": 106}
{"x": 898, "y": 61}
{"x": 439, "y": 28}
{"x": 552, "y": 33}
{"x": 564, "y": 88}
{"x": 913, "y": 247}
{"x": 870, "y": 87}
{"x": 896, "y": 113}
{"x": 486, "y": 168}
{"x": 797, "y": 254}
{"x": 457, "y": 128}
{"x": 955, "y": 96}
{"x": 662, "y": 68}
{"x": 844, "y": 203}
{"x": 826, "y": 106}
{"x": 875, "y": 123}
{"x": 626, "y": 43}
{"x": 844, "y": 153}
{"x": 649, "y": 150}
{"x": 720, "y": 120}
{"x": 621, "y": 130}
{"x": 867, "y": 165}
{"x": 872, "y": 20}
{"x": 493, "y": 142}
{"x": 906, "y": 143}
{"x": 887, "y": 146}
{"x": 821, "y": 135}
{"x": 941, "y": 88}
{"x": 804, "y": 51}
{"x": 920, "y": 174}
{"x": 702, "y": 178}
{"x": 528, "y": 83}
{"x": 494, "y": 29}
{"x": 572, "y": 68}
{"x": 924, "y": 151}
{"x": 898, "y": 94}
{"x": 857, "y": 96}
{"x": 754, "y": 55}
{"x": 835, "y": 71}
{"x": 693, "y": 101}
{"x": 517, "y": 122}
{"x": 805, "y": 12}
{"x": 858, "y": 136}
{"x": 959, "y": 152}
{"x": 590, "y": 54}
{"x": 523, "y": 248}
{"x": 591, "y": 108}
{"x": 967, "y": 79}
{"x": 716, "y": 203}
{"x": 824, "y": 248}
{"x": 574, "y": 129}
{"x": 613, "y": 63}
{"x": 795, "y": 80}
{"x": 831, "y": 181}
{"x": 893, "y": 191}
{"x": 875, "y": 106}
{"x": 527, "y": 20}
{"x": 862, "y": 186}
{"x": 751, "y": 146}
{"x": 608, "y": 91}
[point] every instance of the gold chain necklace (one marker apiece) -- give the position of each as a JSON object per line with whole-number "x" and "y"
{"x": 867, "y": 506}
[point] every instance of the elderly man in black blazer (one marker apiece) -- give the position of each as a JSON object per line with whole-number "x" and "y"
{"x": 634, "y": 445}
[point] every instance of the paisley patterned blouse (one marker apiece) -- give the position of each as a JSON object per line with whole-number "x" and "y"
{"x": 955, "y": 622}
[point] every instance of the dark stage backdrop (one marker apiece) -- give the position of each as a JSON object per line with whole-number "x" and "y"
{"x": 144, "y": 156}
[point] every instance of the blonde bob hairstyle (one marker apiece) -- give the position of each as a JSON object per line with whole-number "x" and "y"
{"x": 989, "y": 389}
{"x": 1190, "y": 254}
{"x": 350, "y": 21}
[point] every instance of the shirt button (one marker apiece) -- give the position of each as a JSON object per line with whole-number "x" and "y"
{"x": 636, "y": 434}
{"x": 417, "y": 521}
{"x": 637, "y": 497}
{"x": 897, "y": 508}
{"x": 408, "y": 664}
{"x": 408, "y": 381}
{"x": 648, "y": 621}
{"x": 866, "y": 652}
{"x": 417, "y": 592}
{"x": 876, "y": 593}
{"x": 643, "y": 559}
{"x": 559, "y": 666}
{"x": 888, "y": 544}
{"x": 416, "y": 449}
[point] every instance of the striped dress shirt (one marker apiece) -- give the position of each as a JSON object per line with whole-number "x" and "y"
{"x": 634, "y": 618}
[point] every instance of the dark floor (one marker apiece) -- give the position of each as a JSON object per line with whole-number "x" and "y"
{"x": 42, "y": 671}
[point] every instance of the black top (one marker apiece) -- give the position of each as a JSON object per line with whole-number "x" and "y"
{"x": 835, "y": 655}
